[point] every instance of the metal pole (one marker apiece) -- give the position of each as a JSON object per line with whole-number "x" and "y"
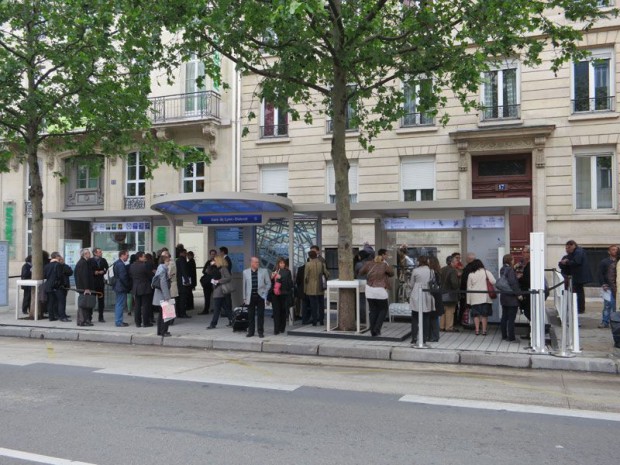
{"x": 537, "y": 283}
{"x": 575, "y": 326}
{"x": 421, "y": 306}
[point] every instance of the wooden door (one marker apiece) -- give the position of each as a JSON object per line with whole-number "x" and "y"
{"x": 505, "y": 176}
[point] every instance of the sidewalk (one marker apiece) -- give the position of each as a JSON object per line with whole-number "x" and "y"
{"x": 598, "y": 353}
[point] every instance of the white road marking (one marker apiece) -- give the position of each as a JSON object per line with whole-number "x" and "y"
{"x": 20, "y": 455}
{"x": 209, "y": 380}
{"x": 484, "y": 405}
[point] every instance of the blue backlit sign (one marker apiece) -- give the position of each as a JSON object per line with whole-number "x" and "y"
{"x": 220, "y": 220}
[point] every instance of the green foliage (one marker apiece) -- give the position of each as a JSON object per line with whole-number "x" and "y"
{"x": 76, "y": 75}
{"x": 302, "y": 49}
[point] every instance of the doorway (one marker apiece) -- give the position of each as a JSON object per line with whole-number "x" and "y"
{"x": 504, "y": 177}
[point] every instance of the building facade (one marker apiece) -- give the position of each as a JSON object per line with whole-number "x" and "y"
{"x": 551, "y": 139}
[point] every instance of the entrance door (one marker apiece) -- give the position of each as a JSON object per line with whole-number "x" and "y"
{"x": 503, "y": 177}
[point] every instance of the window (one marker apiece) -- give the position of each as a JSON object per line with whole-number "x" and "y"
{"x": 274, "y": 121}
{"x": 274, "y": 180}
{"x": 412, "y": 92}
{"x": 194, "y": 177}
{"x": 350, "y": 114}
{"x": 604, "y": 3}
{"x": 135, "y": 175}
{"x": 331, "y": 183}
{"x": 29, "y": 235}
{"x": 594, "y": 182}
{"x": 87, "y": 177}
{"x": 195, "y": 86}
{"x": 500, "y": 94}
{"x": 593, "y": 88}
{"x": 417, "y": 179}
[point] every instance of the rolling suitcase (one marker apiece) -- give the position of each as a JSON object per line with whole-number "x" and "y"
{"x": 240, "y": 319}
{"x": 614, "y": 323}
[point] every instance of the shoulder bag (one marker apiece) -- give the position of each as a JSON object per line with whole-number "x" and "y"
{"x": 490, "y": 287}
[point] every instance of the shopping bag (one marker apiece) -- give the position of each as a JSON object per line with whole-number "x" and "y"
{"x": 168, "y": 311}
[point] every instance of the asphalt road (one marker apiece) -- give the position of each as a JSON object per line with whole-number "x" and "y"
{"x": 115, "y": 405}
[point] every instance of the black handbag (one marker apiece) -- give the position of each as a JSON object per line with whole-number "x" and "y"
{"x": 87, "y": 301}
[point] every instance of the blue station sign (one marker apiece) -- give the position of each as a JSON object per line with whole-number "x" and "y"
{"x": 220, "y": 220}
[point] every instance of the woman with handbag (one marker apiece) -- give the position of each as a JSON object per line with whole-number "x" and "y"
{"x": 480, "y": 279}
{"x": 282, "y": 287}
{"x": 162, "y": 293}
{"x": 222, "y": 282}
{"x": 378, "y": 281}
{"x": 420, "y": 301}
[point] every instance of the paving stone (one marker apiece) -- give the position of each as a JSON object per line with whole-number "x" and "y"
{"x": 249, "y": 345}
{"x": 496, "y": 359}
{"x": 598, "y": 365}
{"x": 55, "y": 334}
{"x": 295, "y": 348}
{"x": 15, "y": 331}
{"x": 368, "y": 352}
{"x": 408, "y": 354}
{"x": 188, "y": 341}
{"x": 100, "y": 336}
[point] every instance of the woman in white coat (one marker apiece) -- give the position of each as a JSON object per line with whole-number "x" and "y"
{"x": 480, "y": 302}
{"x": 163, "y": 292}
{"x": 420, "y": 300}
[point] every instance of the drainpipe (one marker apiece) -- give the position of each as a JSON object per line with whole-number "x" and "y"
{"x": 236, "y": 131}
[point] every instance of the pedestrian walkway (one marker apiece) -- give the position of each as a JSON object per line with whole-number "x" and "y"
{"x": 465, "y": 347}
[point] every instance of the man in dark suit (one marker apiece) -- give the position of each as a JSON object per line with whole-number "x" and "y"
{"x": 191, "y": 266}
{"x": 141, "y": 276}
{"x": 85, "y": 283}
{"x": 184, "y": 283}
{"x": 27, "y": 274}
{"x": 575, "y": 264}
{"x": 205, "y": 281}
{"x": 100, "y": 267}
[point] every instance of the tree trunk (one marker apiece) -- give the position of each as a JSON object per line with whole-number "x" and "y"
{"x": 346, "y": 299}
{"x": 36, "y": 201}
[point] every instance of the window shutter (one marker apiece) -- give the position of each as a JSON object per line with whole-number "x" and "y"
{"x": 274, "y": 179}
{"x": 331, "y": 179}
{"x": 418, "y": 173}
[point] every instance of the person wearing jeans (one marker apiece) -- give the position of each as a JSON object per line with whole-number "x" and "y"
{"x": 122, "y": 286}
{"x": 607, "y": 280}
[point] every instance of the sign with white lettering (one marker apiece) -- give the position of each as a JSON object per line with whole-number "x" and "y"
{"x": 220, "y": 220}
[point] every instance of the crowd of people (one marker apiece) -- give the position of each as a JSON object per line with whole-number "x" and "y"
{"x": 456, "y": 294}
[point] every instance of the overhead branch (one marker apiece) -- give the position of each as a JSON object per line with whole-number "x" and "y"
{"x": 268, "y": 73}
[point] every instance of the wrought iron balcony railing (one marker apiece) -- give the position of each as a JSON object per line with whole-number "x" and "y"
{"x": 179, "y": 107}
{"x": 584, "y": 105}
{"x": 134, "y": 203}
{"x": 501, "y": 112}
{"x": 277, "y": 130}
{"x": 417, "y": 119}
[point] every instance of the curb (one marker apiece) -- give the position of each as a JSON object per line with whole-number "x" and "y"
{"x": 328, "y": 349}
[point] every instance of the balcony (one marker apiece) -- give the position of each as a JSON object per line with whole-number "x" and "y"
{"x": 84, "y": 199}
{"x": 185, "y": 107}
{"x": 502, "y": 112}
{"x": 591, "y": 105}
{"x": 416, "y": 119}
{"x": 134, "y": 203}
{"x": 277, "y": 130}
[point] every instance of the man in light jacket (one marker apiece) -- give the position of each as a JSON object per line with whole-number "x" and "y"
{"x": 256, "y": 285}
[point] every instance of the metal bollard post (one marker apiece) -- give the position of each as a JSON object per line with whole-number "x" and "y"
{"x": 564, "y": 315}
{"x": 421, "y": 304}
{"x": 576, "y": 348}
